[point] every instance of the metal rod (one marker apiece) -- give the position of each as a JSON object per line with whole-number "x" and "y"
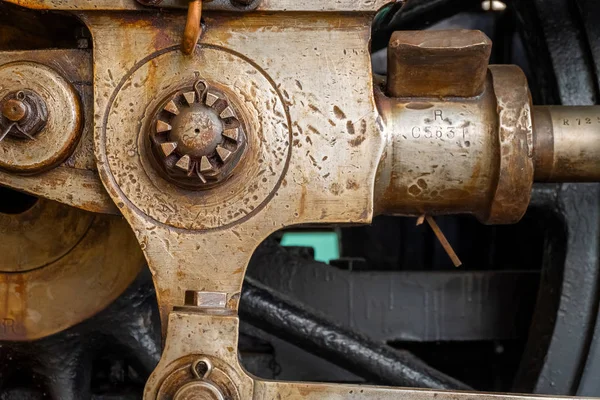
{"x": 567, "y": 143}
{"x": 441, "y": 238}
{"x": 193, "y": 27}
{"x": 376, "y": 362}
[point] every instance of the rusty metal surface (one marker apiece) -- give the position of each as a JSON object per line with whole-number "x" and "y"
{"x": 437, "y": 63}
{"x": 23, "y": 115}
{"x": 58, "y": 366}
{"x": 262, "y": 5}
{"x": 76, "y": 187}
{"x": 300, "y": 129}
{"x": 60, "y": 111}
{"x": 40, "y": 236}
{"x": 567, "y": 144}
{"x": 266, "y": 390}
{"x": 75, "y": 182}
{"x": 56, "y": 271}
{"x": 193, "y": 27}
{"x": 324, "y": 147}
{"x": 453, "y": 155}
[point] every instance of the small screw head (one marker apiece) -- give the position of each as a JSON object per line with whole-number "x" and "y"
{"x": 14, "y": 110}
{"x": 23, "y": 115}
{"x": 197, "y": 138}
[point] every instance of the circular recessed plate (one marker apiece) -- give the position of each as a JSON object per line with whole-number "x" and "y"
{"x": 59, "y": 136}
{"x": 124, "y": 148}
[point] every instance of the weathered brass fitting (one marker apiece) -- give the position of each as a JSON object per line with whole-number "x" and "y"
{"x": 463, "y": 138}
{"x": 37, "y": 103}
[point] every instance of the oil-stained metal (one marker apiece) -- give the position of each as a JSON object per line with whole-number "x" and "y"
{"x": 441, "y": 157}
{"x": 60, "y": 266}
{"x": 437, "y": 63}
{"x": 301, "y": 128}
{"x": 511, "y": 195}
{"x": 74, "y": 182}
{"x": 197, "y": 137}
{"x": 312, "y": 155}
{"x": 38, "y": 103}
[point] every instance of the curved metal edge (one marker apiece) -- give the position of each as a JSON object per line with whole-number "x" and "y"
{"x": 513, "y": 191}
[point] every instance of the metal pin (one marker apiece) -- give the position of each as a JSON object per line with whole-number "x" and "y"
{"x": 441, "y": 237}
{"x": 193, "y": 27}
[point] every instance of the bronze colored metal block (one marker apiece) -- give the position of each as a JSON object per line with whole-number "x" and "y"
{"x": 441, "y": 156}
{"x": 450, "y": 63}
{"x": 456, "y": 156}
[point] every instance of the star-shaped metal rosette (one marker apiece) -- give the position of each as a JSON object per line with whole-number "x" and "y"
{"x": 197, "y": 137}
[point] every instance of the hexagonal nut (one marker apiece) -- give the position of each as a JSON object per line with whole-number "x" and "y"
{"x": 24, "y": 114}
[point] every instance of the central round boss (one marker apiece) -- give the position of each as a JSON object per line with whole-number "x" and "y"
{"x": 231, "y": 96}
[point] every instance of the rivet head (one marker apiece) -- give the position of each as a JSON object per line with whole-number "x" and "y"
{"x": 197, "y": 137}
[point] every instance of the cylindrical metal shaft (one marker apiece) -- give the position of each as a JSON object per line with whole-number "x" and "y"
{"x": 566, "y": 143}
{"x": 376, "y": 362}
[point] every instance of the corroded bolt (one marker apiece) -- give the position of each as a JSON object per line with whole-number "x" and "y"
{"x": 197, "y": 137}
{"x": 23, "y": 115}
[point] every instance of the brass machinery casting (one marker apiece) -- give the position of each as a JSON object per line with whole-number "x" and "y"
{"x": 324, "y": 142}
{"x": 465, "y": 138}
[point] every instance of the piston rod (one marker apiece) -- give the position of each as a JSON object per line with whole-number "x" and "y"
{"x": 566, "y": 143}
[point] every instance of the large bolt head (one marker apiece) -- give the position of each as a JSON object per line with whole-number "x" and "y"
{"x": 197, "y": 137}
